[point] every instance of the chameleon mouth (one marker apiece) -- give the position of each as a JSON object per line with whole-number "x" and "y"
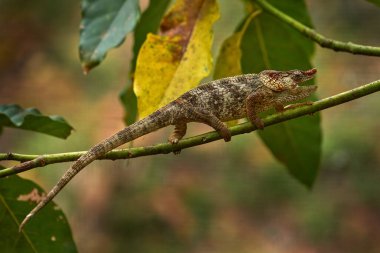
{"x": 307, "y": 75}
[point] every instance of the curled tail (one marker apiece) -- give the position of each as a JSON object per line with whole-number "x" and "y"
{"x": 153, "y": 122}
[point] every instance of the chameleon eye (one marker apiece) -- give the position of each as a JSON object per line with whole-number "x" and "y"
{"x": 272, "y": 74}
{"x": 297, "y": 75}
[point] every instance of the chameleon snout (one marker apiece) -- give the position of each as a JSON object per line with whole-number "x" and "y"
{"x": 310, "y": 72}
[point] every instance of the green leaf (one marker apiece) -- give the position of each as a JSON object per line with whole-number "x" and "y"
{"x": 14, "y": 116}
{"x": 104, "y": 26}
{"x": 270, "y": 44}
{"x": 376, "y": 2}
{"x": 129, "y": 100}
{"x": 47, "y": 232}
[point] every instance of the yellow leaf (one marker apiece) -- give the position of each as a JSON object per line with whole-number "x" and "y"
{"x": 228, "y": 63}
{"x": 175, "y": 61}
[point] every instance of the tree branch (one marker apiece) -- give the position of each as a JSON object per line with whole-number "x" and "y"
{"x": 320, "y": 39}
{"x": 34, "y": 161}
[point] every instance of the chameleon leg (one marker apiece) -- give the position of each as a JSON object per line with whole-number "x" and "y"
{"x": 253, "y": 102}
{"x": 178, "y": 133}
{"x": 279, "y": 107}
{"x": 220, "y": 127}
{"x": 211, "y": 120}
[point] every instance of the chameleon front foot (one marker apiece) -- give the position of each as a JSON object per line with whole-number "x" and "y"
{"x": 257, "y": 122}
{"x": 225, "y": 134}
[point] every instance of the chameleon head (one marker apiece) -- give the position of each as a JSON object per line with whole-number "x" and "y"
{"x": 285, "y": 80}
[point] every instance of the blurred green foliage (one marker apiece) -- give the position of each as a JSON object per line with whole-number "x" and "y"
{"x": 47, "y": 233}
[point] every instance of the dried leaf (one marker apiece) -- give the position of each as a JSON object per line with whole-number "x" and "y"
{"x": 177, "y": 60}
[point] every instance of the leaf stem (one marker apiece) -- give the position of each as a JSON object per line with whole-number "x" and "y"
{"x": 320, "y": 39}
{"x": 34, "y": 161}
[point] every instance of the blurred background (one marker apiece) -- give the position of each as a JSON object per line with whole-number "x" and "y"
{"x": 212, "y": 198}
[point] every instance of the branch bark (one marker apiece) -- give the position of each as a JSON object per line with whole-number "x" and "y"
{"x": 320, "y": 39}
{"x": 34, "y": 161}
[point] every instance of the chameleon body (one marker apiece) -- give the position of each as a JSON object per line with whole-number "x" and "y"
{"x": 211, "y": 103}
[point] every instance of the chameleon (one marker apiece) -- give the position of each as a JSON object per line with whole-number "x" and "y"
{"x": 212, "y": 103}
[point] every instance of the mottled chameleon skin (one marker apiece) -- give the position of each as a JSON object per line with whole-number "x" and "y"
{"x": 211, "y": 103}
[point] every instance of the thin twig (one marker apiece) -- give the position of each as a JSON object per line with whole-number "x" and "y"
{"x": 320, "y": 39}
{"x": 34, "y": 161}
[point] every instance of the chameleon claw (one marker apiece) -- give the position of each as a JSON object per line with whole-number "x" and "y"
{"x": 177, "y": 152}
{"x": 173, "y": 141}
{"x": 259, "y": 123}
{"x": 225, "y": 134}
